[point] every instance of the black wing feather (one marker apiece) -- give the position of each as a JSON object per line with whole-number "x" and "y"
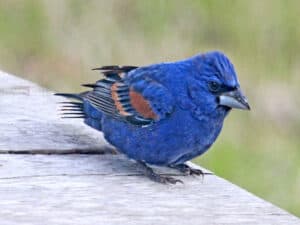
{"x": 101, "y": 97}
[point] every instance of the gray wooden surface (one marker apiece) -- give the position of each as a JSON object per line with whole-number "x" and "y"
{"x": 99, "y": 188}
{"x": 30, "y": 122}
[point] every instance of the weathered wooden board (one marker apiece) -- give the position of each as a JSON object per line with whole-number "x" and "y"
{"x": 106, "y": 189}
{"x": 30, "y": 122}
{"x": 102, "y": 188}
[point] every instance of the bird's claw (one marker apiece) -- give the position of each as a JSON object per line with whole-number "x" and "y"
{"x": 169, "y": 180}
{"x": 148, "y": 171}
{"x": 187, "y": 170}
{"x": 192, "y": 171}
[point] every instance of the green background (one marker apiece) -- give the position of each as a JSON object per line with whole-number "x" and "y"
{"x": 56, "y": 43}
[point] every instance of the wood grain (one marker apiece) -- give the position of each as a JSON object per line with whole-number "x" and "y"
{"x": 83, "y": 189}
{"x": 106, "y": 189}
{"x": 30, "y": 122}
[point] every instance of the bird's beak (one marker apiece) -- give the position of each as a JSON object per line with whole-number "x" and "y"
{"x": 234, "y": 99}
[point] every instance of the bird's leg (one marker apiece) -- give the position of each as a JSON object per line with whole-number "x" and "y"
{"x": 184, "y": 168}
{"x": 148, "y": 172}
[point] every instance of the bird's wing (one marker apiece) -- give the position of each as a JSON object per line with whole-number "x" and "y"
{"x": 139, "y": 101}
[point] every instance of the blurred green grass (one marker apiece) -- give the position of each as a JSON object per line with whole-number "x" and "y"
{"x": 56, "y": 43}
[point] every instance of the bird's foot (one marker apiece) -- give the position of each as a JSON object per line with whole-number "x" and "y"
{"x": 184, "y": 168}
{"x": 148, "y": 172}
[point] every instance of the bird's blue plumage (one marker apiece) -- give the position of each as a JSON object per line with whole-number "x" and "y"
{"x": 94, "y": 116}
{"x": 167, "y": 113}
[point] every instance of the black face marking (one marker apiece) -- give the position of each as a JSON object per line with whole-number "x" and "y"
{"x": 217, "y": 88}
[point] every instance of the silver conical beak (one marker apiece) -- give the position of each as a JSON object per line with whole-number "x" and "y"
{"x": 234, "y": 99}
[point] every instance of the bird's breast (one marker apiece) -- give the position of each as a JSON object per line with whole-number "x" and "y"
{"x": 165, "y": 141}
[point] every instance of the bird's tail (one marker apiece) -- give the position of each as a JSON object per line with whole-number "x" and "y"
{"x": 72, "y": 109}
{"x": 70, "y": 95}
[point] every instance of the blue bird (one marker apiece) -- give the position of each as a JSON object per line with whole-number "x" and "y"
{"x": 163, "y": 114}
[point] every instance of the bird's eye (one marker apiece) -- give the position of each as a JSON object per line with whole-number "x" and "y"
{"x": 213, "y": 86}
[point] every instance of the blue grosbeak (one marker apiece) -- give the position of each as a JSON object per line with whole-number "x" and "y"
{"x": 163, "y": 114}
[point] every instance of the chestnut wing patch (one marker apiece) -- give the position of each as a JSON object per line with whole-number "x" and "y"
{"x": 116, "y": 99}
{"x": 134, "y": 98}
{"x": 141, "y": 105}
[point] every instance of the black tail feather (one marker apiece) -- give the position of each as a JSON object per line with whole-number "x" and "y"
{"x": 90, "y": 85}
{"x": 72, "y": 113}
{"x": 69, "y": 107}
{"x": 71, "y": 110}
{"x": 73, "y": 117}
{"x": 69, "y": 95}
{"x": 71, "y": 103}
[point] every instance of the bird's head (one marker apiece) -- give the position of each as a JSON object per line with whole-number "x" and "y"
{"x": 219, "y": 82}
